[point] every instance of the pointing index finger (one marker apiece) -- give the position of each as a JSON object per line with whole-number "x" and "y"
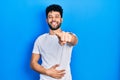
{"x": 57, "y": 33}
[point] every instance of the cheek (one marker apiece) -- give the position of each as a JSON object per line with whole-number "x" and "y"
{"x": 59, "y": 20}
{"x": 49, "y": 20}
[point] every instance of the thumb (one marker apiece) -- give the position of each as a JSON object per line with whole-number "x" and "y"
{"x": 55, "y": 66}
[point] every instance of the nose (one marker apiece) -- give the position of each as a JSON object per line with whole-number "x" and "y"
{"x": 53, "y": 19}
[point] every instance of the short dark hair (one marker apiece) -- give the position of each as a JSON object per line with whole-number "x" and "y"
{"x": 54, "y": 7}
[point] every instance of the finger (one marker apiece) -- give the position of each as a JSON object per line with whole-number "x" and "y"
{"x": 61, "y": 74}
{"x": 69, "y": 37}
{"x": 57, "y": 33}
{"x": 61, "y": 71}
{"x": 66, "y": 37}
{"x": 58, "y": 76}
{"x": 55, "y": 66}
{"x": 62, "y": 43}
{"x": 63, "y": 36}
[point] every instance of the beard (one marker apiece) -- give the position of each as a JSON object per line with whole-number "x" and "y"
{"x": 54, "y": 28}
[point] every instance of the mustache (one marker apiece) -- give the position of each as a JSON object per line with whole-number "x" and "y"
{"x": 57, "y": 27}
{"x": 53, "y": 21}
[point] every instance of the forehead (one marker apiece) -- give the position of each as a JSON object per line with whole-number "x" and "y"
{"x": 53, "y": 13}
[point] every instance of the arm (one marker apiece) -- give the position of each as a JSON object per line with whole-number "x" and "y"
{"x": 34, "y": 64}
{"x": 52, "y": 72}
{"x": 66, "y": 37}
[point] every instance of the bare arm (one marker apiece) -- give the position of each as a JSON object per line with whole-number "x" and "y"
{"x": 52, "y": 72}
{"x": 35, "y": 66}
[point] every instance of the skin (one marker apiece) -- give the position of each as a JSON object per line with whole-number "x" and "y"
{"x": 54, "y": 19}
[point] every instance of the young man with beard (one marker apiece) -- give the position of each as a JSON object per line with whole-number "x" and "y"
{"x": 54, "y": 48}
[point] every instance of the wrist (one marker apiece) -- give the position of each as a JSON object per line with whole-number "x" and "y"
{"x": 46, "y": 72}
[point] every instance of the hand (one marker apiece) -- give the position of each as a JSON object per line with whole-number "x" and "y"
{"x": 64, "y": 37}
{"x": 52, "y": 72}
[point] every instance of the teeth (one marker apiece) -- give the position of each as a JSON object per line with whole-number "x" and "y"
{"x": 54, "y": 23}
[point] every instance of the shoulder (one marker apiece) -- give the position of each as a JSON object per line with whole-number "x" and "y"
{"x": 41, "y": 37}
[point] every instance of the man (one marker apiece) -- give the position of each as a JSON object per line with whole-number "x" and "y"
{"x": 54, "y": 48}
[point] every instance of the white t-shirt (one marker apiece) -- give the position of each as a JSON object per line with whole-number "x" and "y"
{"x": 53, "y": 53}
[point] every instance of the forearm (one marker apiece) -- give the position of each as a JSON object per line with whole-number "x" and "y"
{"x": 52, "y": 72}
{"x": 37, "y": 67}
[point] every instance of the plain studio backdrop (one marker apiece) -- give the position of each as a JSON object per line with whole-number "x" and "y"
{"x": 95, "y": 22}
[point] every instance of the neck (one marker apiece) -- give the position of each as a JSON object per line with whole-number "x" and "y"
{"x": 52, "y": 32}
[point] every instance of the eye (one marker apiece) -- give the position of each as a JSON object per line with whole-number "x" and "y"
{"x": 50, "y": 17}
{"x": 57, "y": 16}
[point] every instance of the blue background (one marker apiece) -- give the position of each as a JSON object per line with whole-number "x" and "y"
{"x": 95, "y": 22}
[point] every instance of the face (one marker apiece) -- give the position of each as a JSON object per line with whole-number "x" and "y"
{"x": 54, "y": 20}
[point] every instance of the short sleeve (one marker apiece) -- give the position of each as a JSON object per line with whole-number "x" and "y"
{"x": 36, "y": 48}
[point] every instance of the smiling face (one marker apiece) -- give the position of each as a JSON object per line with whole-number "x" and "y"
{"x": 54, "y": 20}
